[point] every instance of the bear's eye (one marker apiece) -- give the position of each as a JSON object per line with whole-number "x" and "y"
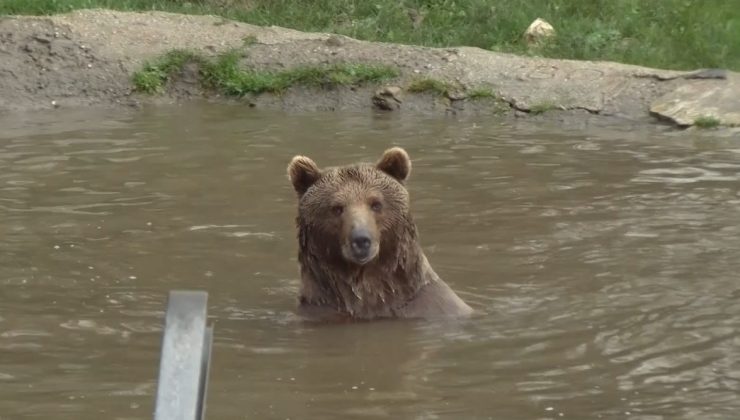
{"x": 376, "y": 206}
{"x": 337, "y": 210}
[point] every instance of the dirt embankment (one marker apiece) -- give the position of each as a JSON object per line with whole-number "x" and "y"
{"x": 87, "y": 58}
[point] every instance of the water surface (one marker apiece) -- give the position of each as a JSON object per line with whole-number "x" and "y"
{"x": 603, "y": 262}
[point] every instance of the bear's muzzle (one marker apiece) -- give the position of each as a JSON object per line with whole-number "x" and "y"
{"x": 361, "y": 247}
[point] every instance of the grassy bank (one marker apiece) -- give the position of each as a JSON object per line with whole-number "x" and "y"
{"x": 223, "y": 74}
{"x": 678, "y": 34}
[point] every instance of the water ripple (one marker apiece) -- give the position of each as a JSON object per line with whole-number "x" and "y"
{"x": 602, "y": 266}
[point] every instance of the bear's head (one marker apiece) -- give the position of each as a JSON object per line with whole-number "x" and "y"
{"x": 352, "y": 214}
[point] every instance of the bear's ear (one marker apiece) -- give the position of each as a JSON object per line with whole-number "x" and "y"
{"x": 396, "y": 163}
{"x": 303, "y": 172}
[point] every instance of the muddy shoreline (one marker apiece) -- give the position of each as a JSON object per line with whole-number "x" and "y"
{"x": 86, "y": 58}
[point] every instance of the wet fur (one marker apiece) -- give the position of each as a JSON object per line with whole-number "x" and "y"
{"x": 399, "y": 282}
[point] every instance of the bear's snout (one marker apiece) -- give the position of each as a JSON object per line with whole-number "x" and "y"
{"x": 360, "y": 246}
{"x": 361, "y": 241}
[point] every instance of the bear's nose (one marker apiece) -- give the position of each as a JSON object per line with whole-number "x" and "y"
{"x": 360, "y": 240}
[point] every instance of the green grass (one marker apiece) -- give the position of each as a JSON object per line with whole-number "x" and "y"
{"x": 500, "y": 106}
{"x": 155, "y": 74}
{"x": 541, "y": 108}
{"x": 224, "y": 73}
{"x": 481, "y": 93}
{"x": 706, "y": 122}
{"x": 679, "y": 34}
{"x": 427, "y": 85}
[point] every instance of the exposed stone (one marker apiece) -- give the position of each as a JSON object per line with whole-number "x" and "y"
{"x": 456, "y": 95}
{"x": 388, "y": 98}
{"x": 334, "y": 41}
{"x": 702, "y": 97}
{"x": 537, "y": 31}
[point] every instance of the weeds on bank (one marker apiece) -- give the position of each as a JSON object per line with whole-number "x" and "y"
{"x": 706, "y": 122}
{"x": 155, "y": 74}
{"x": 481, "y": 93}
{"x": 500, "y": 106}
{"x": 427, "y": 85}
{"x": 541, "y": 108}
{"x": 224, "y": 73}
{"x": 679, "y": 34}
{"x": 441, "y": 88}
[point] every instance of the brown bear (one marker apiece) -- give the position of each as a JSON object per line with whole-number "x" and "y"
{"x": 359, "y": 252}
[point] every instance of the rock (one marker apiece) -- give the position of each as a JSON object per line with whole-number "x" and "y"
{"x": 334, "y": 41}
{"x": 716, "y": 98}
{"x": 388, "y": 98}
{"x": 42, "y": 39}
{"x": 708, "y": 74}
{"x": 456, "y": 94}
{"x": 538, "y": 31}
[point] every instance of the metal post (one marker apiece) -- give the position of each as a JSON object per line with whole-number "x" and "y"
{"x": 185, "y": 359}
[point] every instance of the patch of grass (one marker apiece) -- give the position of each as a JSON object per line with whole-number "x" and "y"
{"x": 541, "y": 108}
{"x": 339, "y": 75}
{"x": 225, "y": 74}
{"x": 154, "y": 75}
{"x": 427, "y": 85}
{"x": 149, "y": 81}
{"x": 706, "y": 122}
{"x": 500, "y": 106}
{"x": 677, "y": 34}
{"x": 481, "y": 93}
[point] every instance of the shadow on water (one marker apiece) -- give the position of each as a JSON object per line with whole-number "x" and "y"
{"x": 602, "y": 261}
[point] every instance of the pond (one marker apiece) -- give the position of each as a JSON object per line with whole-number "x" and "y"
{"x": 602, "y": 261}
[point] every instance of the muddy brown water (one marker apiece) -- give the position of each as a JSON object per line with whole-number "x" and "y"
{"x": 603, "y": 262}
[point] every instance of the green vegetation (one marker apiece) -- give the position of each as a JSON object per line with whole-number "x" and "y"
{"x": 500, "y": 106}
{"x": 680, "y": 34}
{"x": 223, "y": 73}
{"x": 155, "y": 74}
{"x": 706, "y": 122}
{"x": 434, "y": 86}
{"x": 440, "y": 88}
{"x": 481, "y": 93}
{"x": 541, "y": 108}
